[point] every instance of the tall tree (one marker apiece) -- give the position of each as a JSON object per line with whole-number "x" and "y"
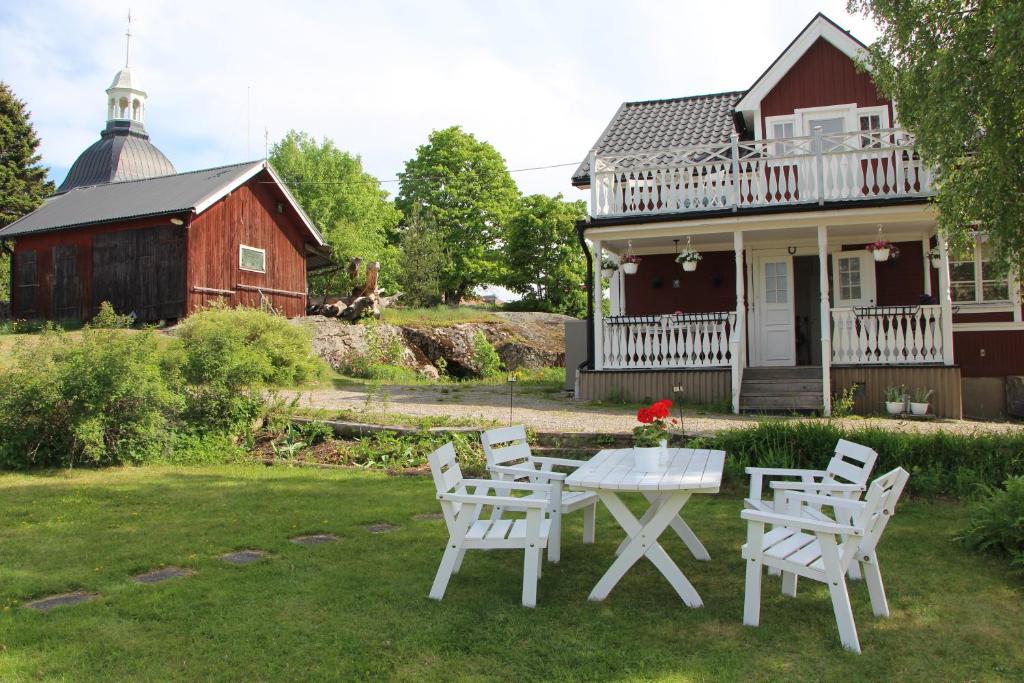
{"x": 345, "y": 202}
{"x": 23, "y": 183}
{"x": 465, "y": 186}
{"x": 544, "y": 261}
{"x": 955, "y": 69}
{"x": 421, "y": 261}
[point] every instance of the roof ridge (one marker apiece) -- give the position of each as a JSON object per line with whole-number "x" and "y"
{"x": 688, "y": 97}
{"x": 167, "y": 175}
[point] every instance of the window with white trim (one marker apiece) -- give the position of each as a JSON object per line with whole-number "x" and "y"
{"x": 868, "y": 124}
{"x": 252, "y": 259}
{"x": 972, "y": 278}
{"x": 776, "y": 289}
{"x": 782, "y": 129}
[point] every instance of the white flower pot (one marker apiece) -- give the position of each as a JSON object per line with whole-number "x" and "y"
{"x": 630, "y": 268}
{"x": 881, "y": 254}
{"x": 607, "y": 273}
{"x": 894, "y": 407}
{"x": 936, "y": 262}
{"x": 689, "y": 266}
{"x": 651, "y": 459}
{"x": 918, "y": 408}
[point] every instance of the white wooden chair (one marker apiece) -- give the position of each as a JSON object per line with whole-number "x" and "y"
{"x": 466, "y": 531}
{"x": 509, "y": 459}
{"x": 802, "y": 544}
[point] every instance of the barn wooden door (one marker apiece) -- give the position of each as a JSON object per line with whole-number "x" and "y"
{"x": 141, "y": 272}
{"x": 65, "y": 292}
{"x": 26, "y": 285}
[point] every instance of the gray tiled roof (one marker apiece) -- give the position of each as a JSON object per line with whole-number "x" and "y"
{"x": 123, "y": 152}
{"x": 662, "y": 124}
{"x": 94, "y": 204}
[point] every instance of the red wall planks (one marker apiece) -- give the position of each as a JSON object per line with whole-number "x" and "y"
{"x": 822, "y": 76}
{"x": 711, "y": 288}
{"x": 1002, "y": 349}
{"x": 247, "y": 216}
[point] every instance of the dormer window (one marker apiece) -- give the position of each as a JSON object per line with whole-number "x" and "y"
{"x": 780, "y": 130}
{"x": 869, "y": 123}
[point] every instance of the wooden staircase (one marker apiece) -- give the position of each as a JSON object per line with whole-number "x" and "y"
{"x": 781, "y": 389}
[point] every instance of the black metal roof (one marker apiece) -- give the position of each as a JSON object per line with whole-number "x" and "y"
{"x": 665, "y": 124}
{"x": 123, "y": 152}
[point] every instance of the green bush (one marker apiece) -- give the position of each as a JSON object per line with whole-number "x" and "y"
{"x": 382, "y": 360}
{"x": 940, "y": 463}
{"x": 108, "y": 318}
{"x": 386, "y": 450}
{"x": 486, "y": 360}
{"x": 225, "y": 357}
{"x": 996, "y": 524}
{"x": 101, "y": 399}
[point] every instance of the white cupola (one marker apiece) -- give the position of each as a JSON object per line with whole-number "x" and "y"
{"x": 126, "y": 100}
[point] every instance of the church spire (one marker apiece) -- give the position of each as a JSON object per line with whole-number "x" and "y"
{"x": 126, "y": 100}
{"x": 128, "y": 39}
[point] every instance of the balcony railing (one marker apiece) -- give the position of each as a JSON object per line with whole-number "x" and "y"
{"x": 694, "y": 340}
{"x": 887, "y": 335}
{"x": 833, "y": 167}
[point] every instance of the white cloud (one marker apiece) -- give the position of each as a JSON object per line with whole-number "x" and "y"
{"x": 537, "y": 80}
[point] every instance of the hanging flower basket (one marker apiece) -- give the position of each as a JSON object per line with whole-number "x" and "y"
{"x": 608, "y": 268}
{"x": 935, "y": 257}
{"x": 630, "y": 264}
{"x": 883, "y": 250}
{"x": 688, "y": 259}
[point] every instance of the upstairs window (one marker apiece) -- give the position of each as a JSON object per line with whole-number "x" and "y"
{"x": 972, "y": 279}
{"x": 868, "y": 124}
{"x": 782, "y": 129}
{"x": 252, "y": 259}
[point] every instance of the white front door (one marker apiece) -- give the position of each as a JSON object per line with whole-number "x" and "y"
{"x": 775, "y": 338}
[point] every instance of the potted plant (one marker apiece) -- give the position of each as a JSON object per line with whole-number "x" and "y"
{"x": 919, "y": 401}
{"x": 688, "y": 259}
{"x": 895, "y": 400}
{"x": 650, "y": 438}
{"x": 630, "y": 263}
{"x": 608, "y": 267}
{"x": 883, "y": 250}
{"x": 935, "y": 257}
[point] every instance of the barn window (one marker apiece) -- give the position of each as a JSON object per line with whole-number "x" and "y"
{"x": 251, "y": 258}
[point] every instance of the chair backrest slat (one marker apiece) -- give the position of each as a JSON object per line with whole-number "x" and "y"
{"x": 851, "y": 464}
{"x": 447, "y": 475}
{"x": 879, "y": 507}
{"x": 507, "y": 445}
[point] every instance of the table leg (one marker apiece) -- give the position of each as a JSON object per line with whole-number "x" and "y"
{"x": 679, "y": 526}
{"x": 643, "y": 542}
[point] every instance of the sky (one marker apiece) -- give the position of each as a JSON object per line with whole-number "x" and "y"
{"x": 538, "y": 80}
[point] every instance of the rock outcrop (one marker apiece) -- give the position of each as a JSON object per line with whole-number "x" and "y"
{"x": 522, "y": 340}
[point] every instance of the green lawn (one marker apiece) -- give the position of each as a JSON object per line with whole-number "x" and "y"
{"x": 358, "y": 608}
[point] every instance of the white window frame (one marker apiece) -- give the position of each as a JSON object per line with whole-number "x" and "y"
{"x": 868, "y": 283}
{"x": 882, "y": 112}
{"x": 979, "y": 282}
{"x": 263, "y": 253}
{"x": 769, "y": 125}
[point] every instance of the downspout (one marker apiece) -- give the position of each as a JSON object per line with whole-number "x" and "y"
{"x": 581, "y": 226}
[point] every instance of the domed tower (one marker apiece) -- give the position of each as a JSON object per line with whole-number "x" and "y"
{"x": 123, "y": 151}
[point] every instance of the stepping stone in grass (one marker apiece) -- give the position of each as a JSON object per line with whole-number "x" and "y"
{"x": 48, "y": 603}
{"x": 381, "y": 528}
{"x": 244, "y": 556}
{"x": 428, "y": 516}
{"x": 314, "y": 539}
{"x": 165, "y": 574}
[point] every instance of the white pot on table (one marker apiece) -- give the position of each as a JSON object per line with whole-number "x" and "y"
{"x": 651, "y": 459}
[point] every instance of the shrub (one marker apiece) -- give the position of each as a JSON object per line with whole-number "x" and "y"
{"x": 401, "y": 451}
{"x": 225, "y": 357}
{"x": 107, "y": 318}
{"x": 940, "y": 463}
{"x": 100, "y": 399}
{"x": 486, "y": 360}
{"x": 382, "y": 360}
{"x": 842, "y": 402}
{"x": 996, "y": 524}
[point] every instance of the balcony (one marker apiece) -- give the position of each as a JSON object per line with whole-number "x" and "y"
{"x": 818, "y": 169}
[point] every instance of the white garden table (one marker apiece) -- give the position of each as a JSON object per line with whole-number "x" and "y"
{"x": 685, "y": 471}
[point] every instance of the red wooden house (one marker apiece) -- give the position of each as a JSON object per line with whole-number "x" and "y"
{"x": 163, "y": 247}
{"x": 780, "y": 188}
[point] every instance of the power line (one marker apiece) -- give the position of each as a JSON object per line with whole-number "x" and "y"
{"x": 396, "y": 180}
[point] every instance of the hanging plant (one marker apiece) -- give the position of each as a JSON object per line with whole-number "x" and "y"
{"x": 882, "y": 249}
{"x": 688, "y": 259}
{"x": 608, "y": 267}
{"x": 630, "y": 263}
{"x": 935, "y": 257}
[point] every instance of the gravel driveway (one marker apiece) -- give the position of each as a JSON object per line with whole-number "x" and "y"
{"x": 490, "y": 403}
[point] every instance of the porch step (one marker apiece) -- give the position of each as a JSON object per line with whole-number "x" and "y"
{"x": 783, "y": 389}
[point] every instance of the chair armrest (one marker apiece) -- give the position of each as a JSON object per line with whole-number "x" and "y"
{"x": 816, "y": 499}
{"x": 524, "y": 472}
{"x": 507, "y": 501}
{"x": 784, "y": 472}
{"x": 561, "y": 462}
{"x": 816, "y": 486}
{"x": 487, "y": 484}
{"x": 804, "y": 523}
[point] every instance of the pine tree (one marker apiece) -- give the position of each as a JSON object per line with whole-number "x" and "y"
{"x": 23, "y": 183}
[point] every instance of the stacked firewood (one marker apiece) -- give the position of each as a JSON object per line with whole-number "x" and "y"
{"x": 364, "y": 301}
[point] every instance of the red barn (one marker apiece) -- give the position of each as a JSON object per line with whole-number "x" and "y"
{"x": 165, "y": 246}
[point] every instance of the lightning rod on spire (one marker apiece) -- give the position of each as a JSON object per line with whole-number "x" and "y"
{"x": 128, "y": 38}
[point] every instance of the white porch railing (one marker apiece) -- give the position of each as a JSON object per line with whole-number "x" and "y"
{"x": 887, "y": 335}
{"x": 695, "y": 340}
{"x": 820, "y": 168}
